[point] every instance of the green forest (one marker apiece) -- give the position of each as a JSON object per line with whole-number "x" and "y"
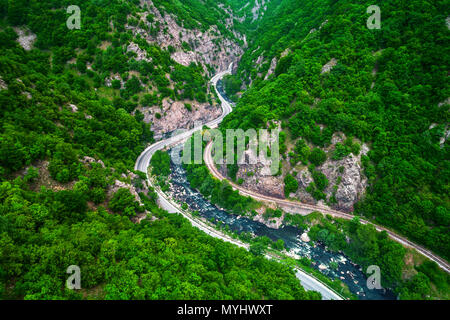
{"x": 387, "y": 90}
{"x": 42, "y": 233}
{"x": 55, "y": 209}
{"x": 71, "y": 129}
{"x": 365, "y": 246}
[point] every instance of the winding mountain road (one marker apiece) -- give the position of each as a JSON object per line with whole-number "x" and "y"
{"x": 142, "y": 163}
{"x": 307, "y": 208}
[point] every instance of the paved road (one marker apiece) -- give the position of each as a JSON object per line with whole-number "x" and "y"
{"x": 307, "y": 208}
{"x": 143, "y": 161}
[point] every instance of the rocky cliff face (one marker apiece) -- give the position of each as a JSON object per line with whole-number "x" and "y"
{"x": 174, "y": 115}
{"x": 347, "y": 182}
{"x": 130, "y": 182}
{"x": 346, "y": 178}
{"x": 207, "y": 48}
{"x": 274, "y": 62}
{"x": 255, "y": 179}
{"x": 255, "y": 174}
{"x": 329, "y": 66}
{"x": 259, "y": 9}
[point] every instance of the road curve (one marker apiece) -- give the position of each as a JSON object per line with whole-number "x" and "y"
{"x": 143, "y": 161}
{"x": 443, "y": 264}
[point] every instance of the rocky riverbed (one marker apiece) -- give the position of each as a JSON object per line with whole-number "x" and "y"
{"x": 333, "y": 265}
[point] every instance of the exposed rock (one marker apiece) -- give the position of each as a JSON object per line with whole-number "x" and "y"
{"x": 349, "y": 171}
{"x": 3, "y": 85}
{"x": 73, "y": 107}
{"x": 273, "y": 65}
{"x": 267, "y": 185}
{"x": 322, "y": 266}
{"x": 291, "y": 254}
{"x": 140, "y": 54}
{"x": 353, "y": 181}
{"x": 337, "y": 138}
{"x": 259, "y": 60}
{"x": 89, "y": 160}
{"x": 209, "y": 47}
{"x": 27, "y": 94}
{"x": 184, "y": 58}
{"x": 142, "y": 216}
{"x": 304, "y": 178}
{"x": 116, "y": 76}
{"x": 445, "y": 134}
{"x": 285, "y": 53}
{"x": 104, "y": 44}
{"x": 122, "y": 185}
{"x": 364, "y": 149}
{"x": 443, "y": 103}
{"x": 259, "y": 9}
{"x": 174, "y": 115}
{"x": 26, "y": 38}
{"x": 133, "y": 190}
{"x": 305, "y": 237}
{"x": 274, "y": 223}
{"x": 44, "y": 178}
{"x": 256, "y": 174}
{"x": 329, "y": 66}
{"x": 321, "y": 26}
{"x": 256, "y": 178}
{"x": 444, "y": 138}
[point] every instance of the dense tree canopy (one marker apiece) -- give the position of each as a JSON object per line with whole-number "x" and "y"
{"x": 66, "y": 138}
{"x": 387, "y": 89}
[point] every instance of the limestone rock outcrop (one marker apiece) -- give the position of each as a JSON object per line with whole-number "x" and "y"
{"x": 174, "y": 115}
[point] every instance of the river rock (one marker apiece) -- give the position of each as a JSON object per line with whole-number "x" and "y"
{"x": 305, "y": 237}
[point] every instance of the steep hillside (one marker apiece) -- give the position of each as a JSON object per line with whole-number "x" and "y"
{"x": 364, "y": 118}
{"x": 145, "y": 56}
{"x": 70, "y": 133}
{"x": 364, "y": 112}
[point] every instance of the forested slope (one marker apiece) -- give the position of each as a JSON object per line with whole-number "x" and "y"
{"x": 67, "y": 145}
{"x": 387, "y": 88}
{"x": 71, "y": 130}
